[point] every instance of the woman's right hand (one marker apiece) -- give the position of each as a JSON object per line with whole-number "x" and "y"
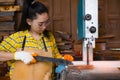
{"x": 24, "y": 56}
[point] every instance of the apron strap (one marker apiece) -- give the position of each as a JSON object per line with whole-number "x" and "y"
{"x": 23, "y": 44}
{"x": 24, "y": 40}
{"x": 44, "y": 44}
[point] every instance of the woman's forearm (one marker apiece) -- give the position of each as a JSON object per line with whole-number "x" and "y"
{"x": 5, "y": 56}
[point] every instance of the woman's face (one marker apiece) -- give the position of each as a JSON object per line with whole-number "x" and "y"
{"x": 39, "y": 24}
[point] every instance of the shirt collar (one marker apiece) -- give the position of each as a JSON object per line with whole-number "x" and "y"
{"x": 27, "y": 33}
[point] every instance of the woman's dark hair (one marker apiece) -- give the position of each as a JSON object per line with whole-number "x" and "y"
{"x": 30, "y": 10}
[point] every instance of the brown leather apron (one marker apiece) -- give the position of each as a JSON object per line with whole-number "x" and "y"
{"x": 38, "y": 71}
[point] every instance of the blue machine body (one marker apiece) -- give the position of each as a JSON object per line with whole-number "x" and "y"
{"x": 81, "y": 21}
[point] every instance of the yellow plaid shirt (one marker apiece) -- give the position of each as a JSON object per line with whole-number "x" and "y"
{"x": 14, "y": 42}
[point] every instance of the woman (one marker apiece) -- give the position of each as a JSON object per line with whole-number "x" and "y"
{"x": 32, "y": 37}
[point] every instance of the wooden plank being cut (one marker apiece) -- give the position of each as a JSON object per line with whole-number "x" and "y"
{"x": 82, "y": 67}
{"x": 9, "y": 8}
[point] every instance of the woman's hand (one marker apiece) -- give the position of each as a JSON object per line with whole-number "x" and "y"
{"x": 68, "y": 57}
{"x": 24, "y": 56}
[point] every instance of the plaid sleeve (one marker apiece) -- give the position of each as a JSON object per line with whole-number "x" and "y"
{"x": 9, "y": 43}
{"x": 55, "y": 49}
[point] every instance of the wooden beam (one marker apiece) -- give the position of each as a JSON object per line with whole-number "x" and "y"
{"x": 9, "y": 8}
{"x": 7, "y": 26}
{"x": 5, "y": 1}
{"x": 6, "y": 18}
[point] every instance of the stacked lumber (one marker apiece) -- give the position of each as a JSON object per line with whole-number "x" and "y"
{"x": 8, "y": 11}
{"x": 9, "y": 8}
{"x": 7, "y": 24}
{"x": 64, "y": 43}
{"x": 6, "y": 16}
{"x": 7, "y": 21}
{"x": 7, "y": 2}
{"x": 6, "y": 28}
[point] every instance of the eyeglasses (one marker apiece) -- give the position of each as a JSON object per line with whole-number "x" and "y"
{"x": 45, "y": 23}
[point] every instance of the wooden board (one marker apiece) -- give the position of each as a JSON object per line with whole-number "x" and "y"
{"x": 7, "y": 1}
{"x": 7, "y": 26}
{"x": 6, "y": 33}
{"x": 9, "y": 8}
{"x": 6, "y": 14}
{"x": 82, "y": 67}
{"x": 6, "y": 18}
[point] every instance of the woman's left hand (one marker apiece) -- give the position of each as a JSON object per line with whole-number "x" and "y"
{"x": 68, "y": 57}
